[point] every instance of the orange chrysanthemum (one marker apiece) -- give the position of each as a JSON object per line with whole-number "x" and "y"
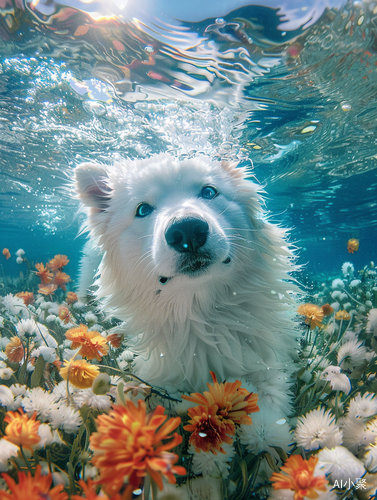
{"x": 6, "y": 253}
{"x": 80, "y": 373}
{"x": 353, "y": 245}
{"x": 27, "y": 297}
{"x": 57, "y": 262}
{"x": 313, "y": 314}
{"x": 64, "y": 314}
{"x": 44, "y": 274}
{"x": 130, "y": 442}
{"x": 15, "y": 350}
{"x": 90, "y": 491}
{"x": 47, "y": 289}
{"x": 21, "y": 430}
{"x": 209, "y": 430}
{"x": 92, "y": 344}
{"x": 32, "y": 488}
{"x": 61, "y": 279}
{"x": 115, "y": 339}
{"x": 343, "y": 315}
{"x": 71, "y": 298}
{"x": 233, "y": 401}
{"x": 298, "y": 475}
{"x": 327, "y": 309}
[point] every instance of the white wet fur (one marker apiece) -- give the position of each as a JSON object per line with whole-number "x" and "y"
{"x": 234, "y": 315}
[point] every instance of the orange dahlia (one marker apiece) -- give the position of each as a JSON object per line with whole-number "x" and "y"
{"x": 44, "y": 274}
{"x": 327, "y": 309}
{"x": 128, "y": 445}
{"x": 71, "y": 298}
{"x": 61, "y": 279}
{"x": 6, "y": 253}
{"x": 57, "y": 262}
{"x": 47, "y": 289}
{"x": 27, "y": 297}
{"x": 233, "y": 401}
{"x": 21, "y": 430}
{"x": 15, "y": 350}
{"x": 115, "y": 339}
{"x": 64, "y": 314}
{"x": 298, "y": 475}
{"x": 92, "y": 344}
{"x": 313, "y": 314}
{"x": 79, "y": 373}
{"x": 32, "y": 488}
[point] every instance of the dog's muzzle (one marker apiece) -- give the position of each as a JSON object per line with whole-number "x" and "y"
{"x": 187, "y": 234}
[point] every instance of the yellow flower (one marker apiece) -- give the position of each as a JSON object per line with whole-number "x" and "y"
{"x": 129, "y": 444}
{"x": 79, "y": 373}
{"x": 313, "y": 314}
{"x": 15, "y": 350}
{"x": 342, "y": 315}
{"x": 21, "y": 430}
{"x": 92, "y": 344}
{"x": 298, "y": 476}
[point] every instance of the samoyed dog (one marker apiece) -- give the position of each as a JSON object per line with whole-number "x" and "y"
{"x": 201, "y": 278}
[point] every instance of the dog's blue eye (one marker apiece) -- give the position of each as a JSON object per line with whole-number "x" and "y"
{"x": 143, "y": 210}
{"x": 209, "y": 192}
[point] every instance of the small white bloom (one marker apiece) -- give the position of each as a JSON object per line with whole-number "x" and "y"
{"x": 78, "y": 305}
{"x": 361, "y": 408}
{"x": 48, "y": 353}
{"x": 18, "y": 389}
{"x": 348, "y": 269}
{"x": 351, "y": 354}
{"x": 6, "y": 395}
{"x": 87, "y": 397}
{"x": 370, "y": 459}
{"x": 37, "y": 399}
{"x": 13, "y": 406}
{"x": 211, "y": 465}
{"x": 19, "y": 260}
{"x": 336, "y": 294}
{"x": 347, "y": 306}
{"x": 14, "y": 305}
{"x": 1, "y": 322}
{"x": 65, "y": 418}
{"x": 20, "y": 252}
{"x": 372, "y": 321}
{"x": 53, "y": 308}
{"x": 26, "y": 328}
{"x": 337, "y": 284}
{"x": 354, "y": 283}
{"x": 6, "y": 373}
{"x": 317, "y": 429}
{"x": 7, "y": 450}
{"x": 45, "y": 433}
{"x": 356, "y": 436}
{"x": 339, "y": 464}
{"x": 90, "y": 317}
{"x": 335, "y": 306}
{"x": 44, "y": 337}
{"x": 338, "y": 381}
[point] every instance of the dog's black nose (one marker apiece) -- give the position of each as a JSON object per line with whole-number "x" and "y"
{"x": 187, "y": 234}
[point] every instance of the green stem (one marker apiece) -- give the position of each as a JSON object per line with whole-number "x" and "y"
{"x": 25, "y": 459}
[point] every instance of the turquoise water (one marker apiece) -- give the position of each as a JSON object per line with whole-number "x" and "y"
{"x": 289, "y": 88}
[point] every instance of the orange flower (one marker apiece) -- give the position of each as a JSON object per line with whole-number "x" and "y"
{"x": 89, "y": 489}
{"x": 92, "y": 344}
{"x": 64, "y": 314}
{"x": 15, "y": 350}
{"x": 47, "y": 289}
{"x": 209, "y": 430}
{"x": 60, "y": 279}
{"x": 343, "y": 315}
{"x": 32, "y": 488}
{"x": 71, "y": 298}
{"x": 27, "y": 297}
{"x": 6, "y": 253}
{"x": 298, "y": 475}
{"x": 313, "y": 314}
{"x": 21, "y": 430}
{"x": 353, "y": 245}
{"x": 81, "y": 374}
{"x": 115, "y": 339}
{"x": 57, "y": 262}
{"x": 327, "y": 309}
{"x": 233, "y": 401}
{"x": 130, "y": 442}
{"x": 44, "y": 274}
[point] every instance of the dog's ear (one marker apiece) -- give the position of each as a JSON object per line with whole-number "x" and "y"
{"x": 92, "y": 185}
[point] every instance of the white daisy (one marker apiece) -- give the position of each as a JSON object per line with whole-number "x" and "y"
{"x": 87, "y": 397}
{"x": 18, "y": 389}
{"x": 370, "y": 459}
{"x": 37, "y": 399}
{"x": 45, "y": 433}
{"x": 53, "y": 308}
{"x": 355, "y": 283}
{"x": 372, "y": 321}
{"x": 361, "y": 408}
{"x": 268, "y": 429}
{"x": 48, "y": 353}
{"x": 20, "y": 252}
{"x": 90, "y": 317}
{"x": 211, "y": 465}
{"x": 26, "y": 328}
{"x": 338, "y": 381}
{"x": 6, "y": 373}
{"x": 339, "y": 464}
{"x": 17, "y": 403}
{"x": 351, "y": 353}
{"x": 7, "y": 451}
{"x": 6, "y": 395}
{"x": 14, "y": 305}
{"x": 348, "y": 269}
{"x": 19, "y": 260}
{"x": 65, "y": 418}
{"x": 317, "y": 429}
{"x": 356, "y": 436}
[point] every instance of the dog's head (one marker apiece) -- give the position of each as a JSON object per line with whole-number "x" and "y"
{"x": 169, "y": 227}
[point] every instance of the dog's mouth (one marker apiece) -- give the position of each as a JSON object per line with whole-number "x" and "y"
{"x": 193, "y": 266}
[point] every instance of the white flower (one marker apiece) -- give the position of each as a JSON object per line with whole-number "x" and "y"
{"x": 53, "y": 308}
{"x": 19, "y": 260}
{"x": 14, "y": 305}
{"x": 317, "y": 429}
{"x": 356, "y": 436}
{"x": 26, "y": 328}
{"x": 12, "y": 406}
{"x": 18, "y": 389}
{"x": 37, "y": 399}
{"x": 43, "y": 336}
{"x": 370, "y": 459}
{"x": 372, "y": 321}
{"x": 1, "y": 322}
{"x": 65, "y": 418}
{"x": 337, "y": 284}
{"x": 87, "y": 397}
{"x": 7, "y": 450}
{"x": 20, "y": 252}
{"x": 45, "y": 433}
{"x": 211, "y": 465}
{"x": 90, "y": 317}
{"x": 96, "y": 328}
{"x": 338, "y": 381}
{"x": 268, "y": 429}
{"x": 361, "y": 408}
{"x": 48, "y": 353}
{"x": 339, "y": 464}
{"x": 351, "y": 353}
{"x": 78, "y": 305}
{"x": 50, "y": 318}
{"x": 354, "y": 283}
{"x": 348, "y": 269}
{"x": 6, "y": 373}
{"x": 273, "y": 388}
{"x": 6, "y": 395}
{"x": 336, "y": 295}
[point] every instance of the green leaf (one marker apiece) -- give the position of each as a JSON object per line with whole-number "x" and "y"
{"x": 283, "y": 456}
{"x": 37, "y": 376}
{"x": 271, "y": 462}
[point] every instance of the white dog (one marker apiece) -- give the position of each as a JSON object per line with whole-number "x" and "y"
{"x": 196, "y": 271}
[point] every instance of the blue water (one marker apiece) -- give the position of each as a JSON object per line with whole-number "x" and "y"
{"x": 289, "y": 87}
